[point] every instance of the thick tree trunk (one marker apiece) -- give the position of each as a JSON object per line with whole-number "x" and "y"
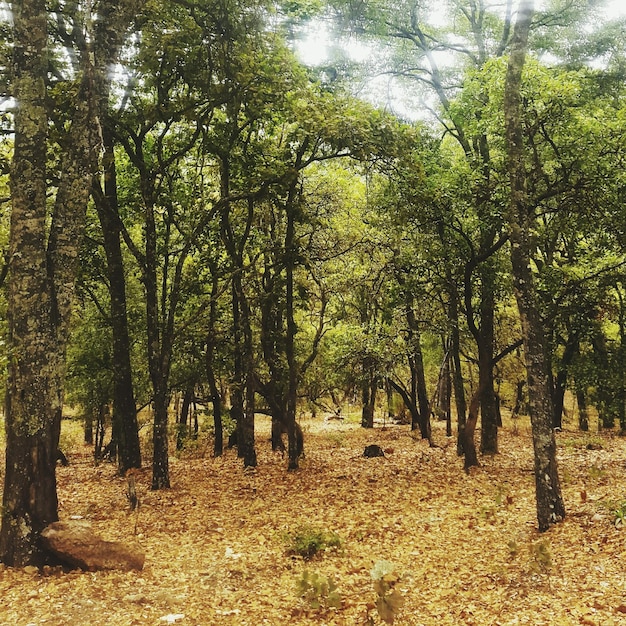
{"x": 607, "y": 404}
{"x": 42, "y": 269}
{"x": 621, "y": 382}
{"x": 247, "y": 425}
{"x": 457, "y": 373}
{"x": 183, "y": 429}
{"x": 216, "y": 399}
{"x": 88, "y": 430}
{"x": 158, "y": 354}
{"x": 243, "y": 394}
{"x": 445, "y": 398}
{"x": 467, "y": 434}
{"x": 550, "y": 506}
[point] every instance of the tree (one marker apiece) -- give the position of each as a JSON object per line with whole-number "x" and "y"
{"x": 125, "y": 433}
{"x": 41, "y": 277}
{"x": 550, "y": 506}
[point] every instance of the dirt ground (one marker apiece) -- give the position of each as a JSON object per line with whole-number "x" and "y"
{"x": 464, "y": 547}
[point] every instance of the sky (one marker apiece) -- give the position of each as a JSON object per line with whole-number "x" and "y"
{"x": 313, "y": 49}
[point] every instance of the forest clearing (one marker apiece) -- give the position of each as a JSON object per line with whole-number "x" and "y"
{"x": 464, "y": 547}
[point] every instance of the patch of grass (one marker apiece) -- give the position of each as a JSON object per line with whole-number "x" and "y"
{"x": 596, "y": 473}
{"x": 584, "y": 442}
{"x": 336, "y": 439}
{"x": 308, "y": 541}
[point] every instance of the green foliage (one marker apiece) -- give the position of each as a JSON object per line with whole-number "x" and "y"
{"x": 389, "y": 600}
{"x": 89, "y": 382}
{"x": 319, "y": 592}
{"x": 308, "y": 541}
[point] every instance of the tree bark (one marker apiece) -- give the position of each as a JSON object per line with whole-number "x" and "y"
{"x": 42, "y": 270}
{"x": 30, "y": 498}
{"x": 559, "y": 382}
{"x": 216, "y": 399}
{"x": 369, "y": 386}
{"x": 243, "y": 379}
{"x": 294, "y": 433}
{"x": 125, "y": 429}
{"x": 418, "y": 376}
{"x": 455, "y": 355}
{"x": 488, "y": 403}
{"x": 550, "y": 505}
{"x": 583, "y": 413}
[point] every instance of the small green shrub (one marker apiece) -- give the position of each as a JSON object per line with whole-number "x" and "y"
{"x": 513, "y": 547}
{"x": 540, "y": 556}
{"x": 307, "y": 541}
{"x": 619, "y": 514}
{"x": 319, "y": 592}
{"x": 596, "y": 473}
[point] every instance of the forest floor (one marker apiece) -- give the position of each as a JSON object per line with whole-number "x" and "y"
{"x": 464, "y": 548}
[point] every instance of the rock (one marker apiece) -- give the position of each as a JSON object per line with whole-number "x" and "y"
{"x": 75, "y": 543}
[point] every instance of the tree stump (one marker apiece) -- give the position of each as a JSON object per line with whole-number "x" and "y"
{"x": 373, "y": 451}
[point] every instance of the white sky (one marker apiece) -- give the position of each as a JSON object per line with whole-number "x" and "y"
{"x": 313, "y": 49}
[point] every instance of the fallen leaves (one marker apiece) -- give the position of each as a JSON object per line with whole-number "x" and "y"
{"x": 464, "y": 548}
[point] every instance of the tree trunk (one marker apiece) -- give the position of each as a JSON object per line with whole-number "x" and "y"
{"x": 243, "y": 374}
{"x": 294, "y": 441}
{"x": 369, "y": 386}
{"x": 559, "y": 383}
{"x": 88, "y": 430}
{"x": 418, "y": 375}
{"x": 125, "y": 429}
{"x": 216, "y": 398}
{"x": 550, "y": 506}
{"x": 607, "y": 406}
{"x": 183, "y": 429}
{"x": 467, "y": 434}
{"x": 446, "y": 392}
{"x": 42, "y": 269}
{"x": 583, "y": 413}
{"x": 457, "y": 372}
{"x": 488, "y": 403}
{"x": 160, "y": 459}
{"x": 621, "y": 382}
{"x": 158, "y": 354}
